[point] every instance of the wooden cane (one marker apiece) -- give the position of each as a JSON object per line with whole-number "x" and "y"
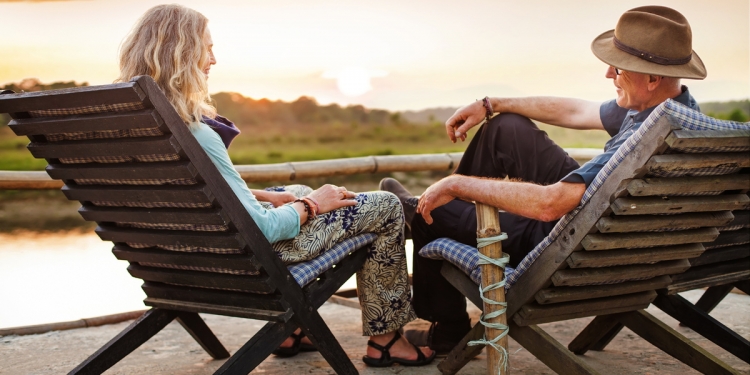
{"x": 488, "y": 225}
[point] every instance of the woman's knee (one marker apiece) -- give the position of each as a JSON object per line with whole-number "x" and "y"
{"x": 388, "y": 205}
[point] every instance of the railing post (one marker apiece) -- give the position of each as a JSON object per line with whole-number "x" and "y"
{"x": 488, "y": 225}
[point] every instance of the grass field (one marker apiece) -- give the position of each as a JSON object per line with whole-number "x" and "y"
{"x": 51, "y": 211}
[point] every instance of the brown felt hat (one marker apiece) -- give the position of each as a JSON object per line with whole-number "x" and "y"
{"x": 652, "y": 40}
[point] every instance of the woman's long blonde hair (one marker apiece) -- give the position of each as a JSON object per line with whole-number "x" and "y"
{"x": 167, "y": 43}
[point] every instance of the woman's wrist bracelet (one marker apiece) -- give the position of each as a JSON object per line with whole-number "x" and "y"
{"x": 317, "y": 206}
{"x": 308, "y": 208}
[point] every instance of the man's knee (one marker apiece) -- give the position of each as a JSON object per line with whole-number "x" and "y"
{"x": 511, "y": 123}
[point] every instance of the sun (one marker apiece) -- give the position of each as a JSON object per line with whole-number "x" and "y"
{"x": 354, "y": 81}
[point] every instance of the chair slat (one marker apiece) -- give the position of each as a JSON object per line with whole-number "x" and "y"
{"x": 105, "y": 147}
{"x": 269, "y": 302}
{"x": 576, "y": 293}
{"x": 206, "y": 308}
{"x": 142, "y": 119}
{"x": 210, "y": 280}
{"x": 585, "y": 259}
{"x": 120, "y": 171}
{"x": 127, "y": 92}
{"x": 152, "y": 215}
{"x": 682, "y": 162}
{"x": 676, "y": 205}
{"x": 198, "y": 194}
{"x": 710, "y": 275}
{"x": 227, "y": 261}
{"x": 741, "y": 217}
{"x": 606, "y": 241}
{"x": 722, "y": 254}
{"x": 588, "y": 276}
{"x": 222, "y": 240}
{"x": 640, "y": 223}
{"x": 733, "y": 237}
{"x": 708, "y": 138}
{"x": 536, "y": 314}
{"x": 707, "y": 282}
{"x": 680, "y": 185}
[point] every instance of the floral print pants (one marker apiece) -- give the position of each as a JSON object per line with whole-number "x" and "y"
{"x": 382, "y": 283}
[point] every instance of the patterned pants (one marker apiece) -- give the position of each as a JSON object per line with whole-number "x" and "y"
{"x": 382, "y": 283}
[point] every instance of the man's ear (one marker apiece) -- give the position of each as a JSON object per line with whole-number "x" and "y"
{"x": 654, "y": 81}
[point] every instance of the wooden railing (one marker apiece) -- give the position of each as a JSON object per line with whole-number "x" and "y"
{"x": 24, "y": 180}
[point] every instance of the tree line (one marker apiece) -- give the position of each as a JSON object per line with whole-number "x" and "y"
{"x": 248, "y": 112}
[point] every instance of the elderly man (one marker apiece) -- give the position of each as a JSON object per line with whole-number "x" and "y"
{"x": 647, "y": 54}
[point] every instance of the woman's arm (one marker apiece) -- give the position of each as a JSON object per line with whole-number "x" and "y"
{"x": 277, "y": 198}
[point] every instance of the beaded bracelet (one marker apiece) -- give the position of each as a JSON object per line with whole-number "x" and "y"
{"x": 487, "y": 108}
{"x": 313, "y": 206}
{"x": 317, "y": 206}
{"x": 308, "y": 209}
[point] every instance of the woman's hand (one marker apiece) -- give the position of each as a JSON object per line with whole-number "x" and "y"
{"x": 331, "y": 197}
{"x": 280, "y": 198}
{"x": 277, "y": 198}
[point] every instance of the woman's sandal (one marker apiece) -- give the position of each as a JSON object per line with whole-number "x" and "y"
{"x": 386, "y": 360}
{"x": 297, "y": 346}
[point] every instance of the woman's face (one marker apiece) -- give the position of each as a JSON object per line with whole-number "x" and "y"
{"x": 209, "y": 43}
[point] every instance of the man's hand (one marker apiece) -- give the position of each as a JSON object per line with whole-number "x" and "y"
{"x": 464, "y": 119}
{"x": 538, "y": 202}
{"x": 436, "y": 195}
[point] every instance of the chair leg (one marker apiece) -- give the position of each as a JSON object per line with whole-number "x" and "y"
{"x": 462, "y": 354}
{"x": 600, "y": 329}
{"x": 149, "y": 324}
{"x": 317, "y": 330}
{"x": 712, "y": 296}
{"x": 257, "y": 349}
{"x": 744, "y": 286}
{"x": 549, "y": 351}
{"x": 708, "y": 327}
{"x": 673, "y": 343}
{"x": 197, "y": 328}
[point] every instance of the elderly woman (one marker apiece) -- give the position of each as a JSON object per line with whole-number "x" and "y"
{"x": 173, "y": 45}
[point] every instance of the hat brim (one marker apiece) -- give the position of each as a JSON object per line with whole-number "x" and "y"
{"x": 604, "y": 49}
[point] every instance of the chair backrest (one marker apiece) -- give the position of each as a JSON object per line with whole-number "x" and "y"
{"x": 658, "y": 205}
{"x": 125, "y": 154}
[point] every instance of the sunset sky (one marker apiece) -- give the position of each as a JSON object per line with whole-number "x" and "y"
{"x": 390, "y": 54}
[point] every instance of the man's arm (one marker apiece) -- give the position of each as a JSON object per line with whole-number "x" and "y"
{"x": 565, "y": 112}
{"x": 545, "y": 203}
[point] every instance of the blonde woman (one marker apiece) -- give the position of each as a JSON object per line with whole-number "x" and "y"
{"x": 173, "y": 45}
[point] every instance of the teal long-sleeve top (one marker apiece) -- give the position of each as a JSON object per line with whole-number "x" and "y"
{"x": 277, "y": 224}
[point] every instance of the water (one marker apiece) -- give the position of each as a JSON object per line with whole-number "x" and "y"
{"x": 49, "y": 278}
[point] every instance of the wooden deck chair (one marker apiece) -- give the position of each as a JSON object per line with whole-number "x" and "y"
{"x": 665, "y": 193}
{"x": 724, "y": 265}
{"x": 125, "y": 154}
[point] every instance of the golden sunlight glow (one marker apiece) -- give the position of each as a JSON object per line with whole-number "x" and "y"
{"x": 354, "y": 81}
{"x": 329, "y": 49}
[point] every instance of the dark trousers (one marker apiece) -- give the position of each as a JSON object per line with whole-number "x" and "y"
{"x": 510, "y": 145}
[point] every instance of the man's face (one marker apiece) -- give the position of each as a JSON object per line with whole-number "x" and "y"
{"x": 632, "y": 89}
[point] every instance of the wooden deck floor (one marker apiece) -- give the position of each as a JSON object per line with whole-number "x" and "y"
{"x": 173, "y": 351}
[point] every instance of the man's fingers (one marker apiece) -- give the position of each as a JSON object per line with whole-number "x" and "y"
{"x": 427, "y": 217}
